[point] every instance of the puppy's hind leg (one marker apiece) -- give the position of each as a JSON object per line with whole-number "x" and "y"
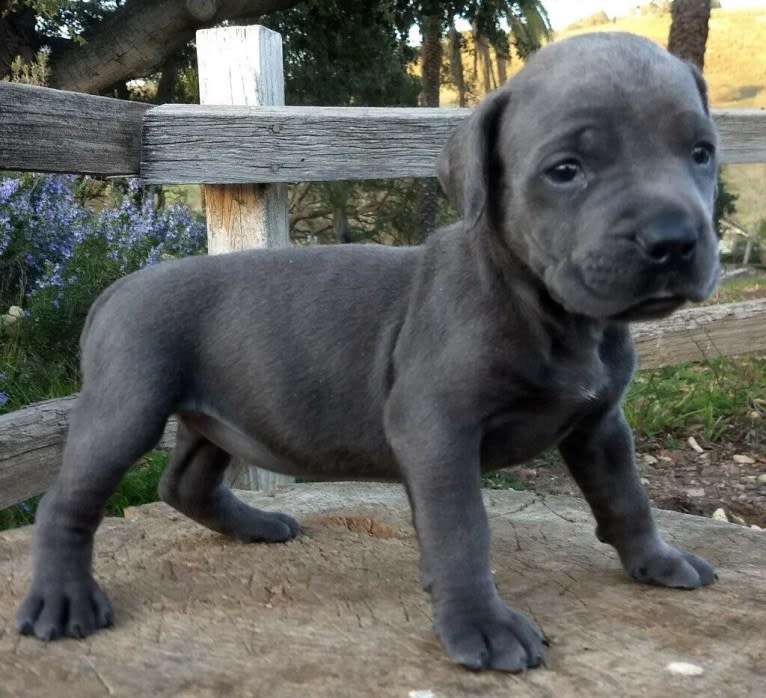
{"x": 193, "y": 484}
{"x": 107, "y": 434}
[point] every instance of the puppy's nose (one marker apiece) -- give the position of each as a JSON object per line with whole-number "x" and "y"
{"x": 669, "y": 237}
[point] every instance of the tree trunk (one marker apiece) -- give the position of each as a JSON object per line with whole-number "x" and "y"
{"x": 17, "y": 36}
{"x": 431, "y": 59}
{"x": 689, "y": 30}
{"x": 427, "y": 190}
{"x": 503, "y": 54}
{"x": 166, "y": 87}
{"x": 140, "y": 35}
{"x": 482, "y": 50}
{"x": 456, "y": 64}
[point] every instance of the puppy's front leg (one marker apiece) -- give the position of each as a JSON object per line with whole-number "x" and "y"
{"x": 600, "y": 456}
{"x": 440, "y": 464}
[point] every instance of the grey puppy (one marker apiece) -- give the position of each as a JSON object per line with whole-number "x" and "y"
{"x": 586, "y": 189}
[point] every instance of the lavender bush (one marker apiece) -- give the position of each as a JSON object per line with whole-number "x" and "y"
{"x": 58, "y": 252}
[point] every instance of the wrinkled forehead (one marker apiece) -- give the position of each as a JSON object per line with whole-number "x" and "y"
{"x": 621, "y": 74}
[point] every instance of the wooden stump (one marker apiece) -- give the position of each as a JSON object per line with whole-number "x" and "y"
{"x": 339, "y": 612}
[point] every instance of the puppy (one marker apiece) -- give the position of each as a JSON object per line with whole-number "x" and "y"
{"x": 586, "y": 189}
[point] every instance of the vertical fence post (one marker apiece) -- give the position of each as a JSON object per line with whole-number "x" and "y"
{"x": 243, "y": 66}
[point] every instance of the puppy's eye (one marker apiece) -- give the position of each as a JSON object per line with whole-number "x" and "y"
{"x": 702, "y": 153}
{"x": 564, "y": 172}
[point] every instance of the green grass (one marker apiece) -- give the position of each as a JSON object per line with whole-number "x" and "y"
{"x": 503, "y": 480}
{"x": 713, "y": 401}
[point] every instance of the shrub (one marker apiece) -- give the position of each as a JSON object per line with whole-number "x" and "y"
{"x": 58, "y": 252}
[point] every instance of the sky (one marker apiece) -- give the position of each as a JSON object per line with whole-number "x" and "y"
{"x": 564, "y": 12}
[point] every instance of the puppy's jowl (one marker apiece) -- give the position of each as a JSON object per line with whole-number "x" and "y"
{"x": 586, "y": 191}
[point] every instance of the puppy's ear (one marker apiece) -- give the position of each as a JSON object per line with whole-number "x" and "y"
{"x": 465, "y": 166}
{"x": 701, "y": 86}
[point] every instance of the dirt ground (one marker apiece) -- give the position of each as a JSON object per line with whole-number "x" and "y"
{"x": 728, "y": 476}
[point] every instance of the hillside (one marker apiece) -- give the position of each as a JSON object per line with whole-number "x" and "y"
{"x": 735, "y": 68}
{"x": 735, "y": 59}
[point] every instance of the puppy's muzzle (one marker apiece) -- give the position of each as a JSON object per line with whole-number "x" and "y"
{"x": 669, "y": 240}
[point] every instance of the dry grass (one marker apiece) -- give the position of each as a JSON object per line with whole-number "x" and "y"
{"x": 735, "y": 68}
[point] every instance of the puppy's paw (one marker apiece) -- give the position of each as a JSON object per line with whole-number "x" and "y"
{"x": 252, "y": 525}
{"x": 73, "y": 608}
{"x": 489, "y": 636}
{"x": 671, "y": 567}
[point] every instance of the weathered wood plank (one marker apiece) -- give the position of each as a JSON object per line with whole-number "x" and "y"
{"x": 699, "y": 334}
{"x": 219, "y": 144}
{"x": 31, "y": 439}
{"x": 284, "y": 144}
{"x": 743, "y": 135}
{"x": 31, "y": 446}
{"x": 45, "y": 130}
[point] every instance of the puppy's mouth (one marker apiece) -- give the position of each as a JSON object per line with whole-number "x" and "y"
{"x": 658, "y": 305}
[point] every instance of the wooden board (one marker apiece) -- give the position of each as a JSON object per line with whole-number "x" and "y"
{"x": 339, "y": 612}
{"x": 31, "y": 446}
{"x": 45, "y": 130}
{"x": 184, "y": 143}
{"x": 699, "y": 334}
{"x": 223, "y": 144}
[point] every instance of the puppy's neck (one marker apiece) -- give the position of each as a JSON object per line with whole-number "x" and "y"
{"x": 515, "y": 288}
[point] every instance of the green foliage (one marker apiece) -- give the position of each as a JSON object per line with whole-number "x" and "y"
{"x": 503, "y": 480}
{"x": 712, "y": 401}
{"x": 139, "y": 486}
{"x": 343, "y": 52}
{"x": 34, "y": 73}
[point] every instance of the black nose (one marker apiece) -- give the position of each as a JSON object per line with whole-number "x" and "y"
{"x": 669, "y": 238}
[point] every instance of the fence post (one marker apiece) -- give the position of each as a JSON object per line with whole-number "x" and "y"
{"x": 243, "y": 66}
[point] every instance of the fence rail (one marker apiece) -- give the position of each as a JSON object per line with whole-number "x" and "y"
{"x": 44, "y": 130}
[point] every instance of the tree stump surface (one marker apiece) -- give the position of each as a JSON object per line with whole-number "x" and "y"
{"x": 339, "y": 611}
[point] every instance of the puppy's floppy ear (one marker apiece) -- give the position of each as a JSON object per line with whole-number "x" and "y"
{"x": 465, "y": 166}
{"x": 701, "y": 85}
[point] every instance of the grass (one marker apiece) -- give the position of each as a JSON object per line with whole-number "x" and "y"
{"x": 720, "y": 399}
{"x": 503, "y": 480}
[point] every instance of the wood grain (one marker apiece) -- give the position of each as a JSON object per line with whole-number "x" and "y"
{"x": 189, "y": 143}
{"x": 339, "y": 612}
{"x": 45, "y": 130}
{"x": 699, "y": 334}
{"x": 32, "y": 444}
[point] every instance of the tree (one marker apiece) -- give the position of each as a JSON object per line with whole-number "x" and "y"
{"x": 687, "y": 40}
{"x": 435, "y": 18}
{"x": 106, "y": 42}
{"x": 689, "y": 30}
{"x": 343, "y": 52}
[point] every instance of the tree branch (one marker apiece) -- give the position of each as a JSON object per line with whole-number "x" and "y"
{"x": 139, "y": 36}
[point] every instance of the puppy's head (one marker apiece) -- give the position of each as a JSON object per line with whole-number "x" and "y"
{"x": 596, "y": 165}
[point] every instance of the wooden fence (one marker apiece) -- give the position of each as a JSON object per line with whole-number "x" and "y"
{"x": 245, "y": 147}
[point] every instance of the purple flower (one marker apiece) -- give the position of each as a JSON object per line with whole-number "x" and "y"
{"x": 44, "y": 228}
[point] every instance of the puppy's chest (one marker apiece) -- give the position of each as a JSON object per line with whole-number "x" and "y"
{"x": 537, "y": 407}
